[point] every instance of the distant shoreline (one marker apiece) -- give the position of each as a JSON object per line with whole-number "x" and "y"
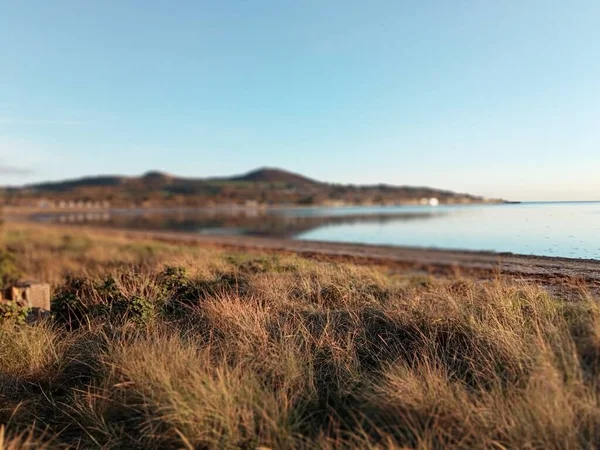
{"x": 28, "y": 210}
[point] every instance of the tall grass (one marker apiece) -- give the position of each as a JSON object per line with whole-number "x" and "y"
{"x": 199, "y": 348}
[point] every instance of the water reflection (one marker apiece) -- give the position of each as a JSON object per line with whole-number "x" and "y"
{"x": 279, "y": 223}
{"x": 551, "y": 229}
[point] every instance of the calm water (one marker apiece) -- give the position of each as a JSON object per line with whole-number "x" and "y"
{"x": 552, "y": 229}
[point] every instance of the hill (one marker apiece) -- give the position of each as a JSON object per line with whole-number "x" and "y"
{"x": 264, "y": 186}
{"x": 68, "y": 185}
{"x": 274, "y": 175}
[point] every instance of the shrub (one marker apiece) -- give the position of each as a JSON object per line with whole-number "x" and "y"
{"x": 68, "y": 306}
{"x": 80, "y": 300}
{"x": 11, "y": 311}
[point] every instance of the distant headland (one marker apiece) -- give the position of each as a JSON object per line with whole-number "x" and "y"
{"x": 258, "y": 188}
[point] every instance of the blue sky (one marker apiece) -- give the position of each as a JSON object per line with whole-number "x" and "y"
{"x": 493, "y": 98}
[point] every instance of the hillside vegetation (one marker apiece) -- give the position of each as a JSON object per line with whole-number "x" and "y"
{"x": 152, "y": 345}
{"x": 263, "y": 186}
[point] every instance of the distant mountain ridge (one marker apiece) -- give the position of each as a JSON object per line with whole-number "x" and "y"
{"x": 263, "y": 186}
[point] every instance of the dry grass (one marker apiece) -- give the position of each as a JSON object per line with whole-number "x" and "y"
{"x": 158, "y": 346}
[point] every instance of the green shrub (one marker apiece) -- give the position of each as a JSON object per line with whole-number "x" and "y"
{"x": 140, "y": 310}
{"x": 67, "y": 306}
{"x": 173, "y": 277}
{"x": 177, "y": 289}
{"x": 11, "y": 311}
{"x": 80, "y": 300}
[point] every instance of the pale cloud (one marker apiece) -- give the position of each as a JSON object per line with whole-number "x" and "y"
{"x": 21, "y": 158}
{"x": 12, "y": 170}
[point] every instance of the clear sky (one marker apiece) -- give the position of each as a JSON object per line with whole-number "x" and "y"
{"x": 498, "y": 98}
